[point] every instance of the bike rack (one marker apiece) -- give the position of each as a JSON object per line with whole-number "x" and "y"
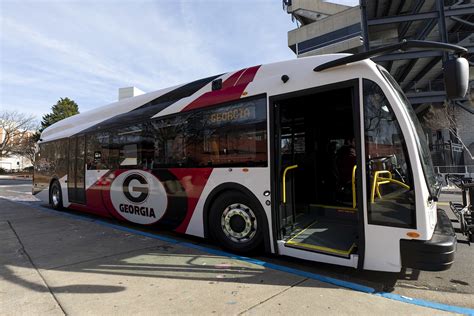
{"x": 464, "y": 211}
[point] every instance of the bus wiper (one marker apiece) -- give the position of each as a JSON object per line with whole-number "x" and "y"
{"x": 403, "y": 46}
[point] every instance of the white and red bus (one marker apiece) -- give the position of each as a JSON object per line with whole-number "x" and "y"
{"x": 327, "y": 164}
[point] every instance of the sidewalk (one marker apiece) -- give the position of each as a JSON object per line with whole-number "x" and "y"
{"x": 54, "y": 264}
{"x": 16, "y": 176}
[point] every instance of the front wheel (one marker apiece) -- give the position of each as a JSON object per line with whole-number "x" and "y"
{"x": 236, "y": 221}
{"x": 56, "y": 196}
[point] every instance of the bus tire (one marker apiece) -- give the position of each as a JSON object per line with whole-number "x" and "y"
{"x": 236, "y": 221}
{"x": 56, "y": 196}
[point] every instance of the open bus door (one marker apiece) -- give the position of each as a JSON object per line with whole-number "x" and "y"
{"x": 399, "y": 194}
{"x": 76, "y": 170}
{"x": 317, "y": 150}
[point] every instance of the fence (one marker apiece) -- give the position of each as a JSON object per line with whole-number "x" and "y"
{"x": 467, "y": 170}
{"x": 442, "y": 171}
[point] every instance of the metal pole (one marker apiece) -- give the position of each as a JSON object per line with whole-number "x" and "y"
{"x": 442, "y": 25}
{"x": 365, "y": 26}
{"x": 452, "y": 152}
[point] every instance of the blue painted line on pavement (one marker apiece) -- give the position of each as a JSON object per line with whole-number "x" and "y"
{"x": 309, "y": 275}
{"x": 430, "y": 304}
{"x": 314, "y": 276}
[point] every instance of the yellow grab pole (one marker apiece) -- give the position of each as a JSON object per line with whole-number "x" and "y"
{"x": 354, "y": 196}
{"x": 284, "y": 180}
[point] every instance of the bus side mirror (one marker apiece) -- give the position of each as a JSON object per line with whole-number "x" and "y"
{"x": 456, "y": 77}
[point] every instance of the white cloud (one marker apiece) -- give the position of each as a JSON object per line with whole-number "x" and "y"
{"x": 86, "y": 50}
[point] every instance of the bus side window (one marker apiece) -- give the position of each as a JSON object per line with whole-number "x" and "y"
{"x": 391, "y": 195}
{"x": 169, "y": 142}
{"x": 97, "y": 151}
{"x": 231, "y": 135}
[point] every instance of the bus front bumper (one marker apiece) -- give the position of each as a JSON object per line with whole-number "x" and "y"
{"x": 436, "y": 254}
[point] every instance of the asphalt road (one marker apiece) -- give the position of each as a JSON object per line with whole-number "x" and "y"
{"x": 455, "y": 286}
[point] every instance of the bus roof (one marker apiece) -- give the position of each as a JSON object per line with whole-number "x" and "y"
{"x": 197, "y": 94}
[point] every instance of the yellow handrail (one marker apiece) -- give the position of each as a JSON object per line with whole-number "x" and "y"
{"x": 374, "y": 183}
{"x": 382, "y": 180}
{"x": 284, "y": 180}
{"x": 406, "y": 186}
{"x": 354, "y": 196}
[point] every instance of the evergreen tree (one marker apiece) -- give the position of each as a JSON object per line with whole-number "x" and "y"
{"x": 65, "y": 107}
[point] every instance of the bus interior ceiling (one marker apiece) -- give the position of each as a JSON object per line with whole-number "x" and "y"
{"x": 317, "y": 134}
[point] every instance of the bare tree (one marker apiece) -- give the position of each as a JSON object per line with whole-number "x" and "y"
{"x": 442, "y": 117}
{"x": 17, "y": 134}
{"x": 27, "y": 148}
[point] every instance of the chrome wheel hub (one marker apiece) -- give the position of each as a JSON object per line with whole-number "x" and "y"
{"x": 239, "y": 223}
{"x": 55, "y": 196}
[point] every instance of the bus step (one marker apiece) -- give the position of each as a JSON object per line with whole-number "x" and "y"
{"x": 338, "y": 239}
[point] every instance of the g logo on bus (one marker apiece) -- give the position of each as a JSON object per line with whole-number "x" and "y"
{"x": 142, "y": 189}
{"x": 138, "y": 196}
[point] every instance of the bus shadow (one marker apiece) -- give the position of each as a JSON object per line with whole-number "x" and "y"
{"x": 142, "y": 268}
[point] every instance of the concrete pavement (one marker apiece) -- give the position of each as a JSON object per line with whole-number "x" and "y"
{"x": 54, "y": 264}
{"x": 454, "y": 286}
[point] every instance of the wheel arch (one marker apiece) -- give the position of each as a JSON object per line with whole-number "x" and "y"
{"x": 232, "y": 186}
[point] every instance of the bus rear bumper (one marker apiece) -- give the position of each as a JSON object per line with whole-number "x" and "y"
{"x": 436, "y": 254}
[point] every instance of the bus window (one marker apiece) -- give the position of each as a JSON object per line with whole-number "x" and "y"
{"x": 53, "y": 158}
{"x": 232, "y": 135}
{"x": 122, "y": 147}
{"x": 60, "y": 150}
{"x": 169, "y": 142}
{"x": 391, "y": 198}
{"x": 97, "y": 151}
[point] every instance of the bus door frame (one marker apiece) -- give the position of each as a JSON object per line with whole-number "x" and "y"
{"x": 74, "y": 192}
{"x": 289, "y": 208}
{"x": 275, "y": 168}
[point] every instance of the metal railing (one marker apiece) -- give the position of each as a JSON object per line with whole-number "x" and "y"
{"x": 462, "y": 170}
{"x": 453, "y": 38}
{"x": 422, "y": 86}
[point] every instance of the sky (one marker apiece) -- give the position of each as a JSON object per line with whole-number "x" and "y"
{"x": 86, "y": 50}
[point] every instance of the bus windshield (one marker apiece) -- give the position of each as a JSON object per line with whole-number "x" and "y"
{"x": 422, "y": 144}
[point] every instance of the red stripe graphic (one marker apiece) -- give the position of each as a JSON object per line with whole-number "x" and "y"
{"x": 94, "y": 200}
{"x": 232, "y": 89}
{"x": 232, "y": 80}
{"x": 193, "y": 181}
{"x": 248, "y": 76}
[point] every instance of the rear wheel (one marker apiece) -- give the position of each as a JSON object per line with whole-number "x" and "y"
{"x": 236, "y": 221}
{"x": 56, "y": 196}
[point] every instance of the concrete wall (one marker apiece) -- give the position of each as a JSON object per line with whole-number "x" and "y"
{"x": 324, "y": 26}
{"x": 319, "y": 6}
{"x": 336, "y": 48}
